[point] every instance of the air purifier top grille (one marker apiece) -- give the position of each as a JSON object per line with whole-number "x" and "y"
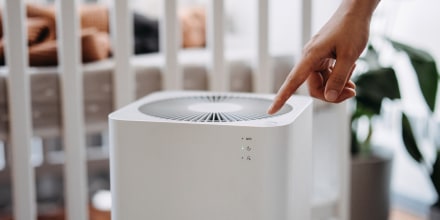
{"x": 211, "y": 108}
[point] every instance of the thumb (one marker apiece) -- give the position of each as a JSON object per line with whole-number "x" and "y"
{"x": 337, "y": 80}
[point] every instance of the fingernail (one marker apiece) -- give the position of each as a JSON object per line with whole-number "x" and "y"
{"x": 270, "y": 109}
{"x": 331, "y": 95}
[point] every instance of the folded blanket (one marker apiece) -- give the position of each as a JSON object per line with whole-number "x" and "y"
{"x": 34, "y": 11}
{"x": 94, "y": 16}
{"x": 44, "y": 54}
{"x": 193, "y": 25}
{"x": 95, "y": 45}
{"x": 95, "y": 41}
{"x": 41, "y": 28}
{"x": 38, "y": 30}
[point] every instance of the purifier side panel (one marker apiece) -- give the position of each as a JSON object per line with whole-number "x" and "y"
{"x": 116, "y": 140}
{"x": 165, "y": 171}
{"x": 274, "y": 146}
{"x": 300, "y": 167}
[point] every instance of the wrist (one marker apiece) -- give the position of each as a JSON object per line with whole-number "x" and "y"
{"x": 362, "y": 8}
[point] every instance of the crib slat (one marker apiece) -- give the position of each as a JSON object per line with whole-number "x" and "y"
{"x": 264, "y": 78}
{"x": 341, "y": 112}
{"x": 219, "y": 78}
{"x": 122, "y": 33}
{"x": 75, "y": 167}
{"x": 306, "y": 22}
{"x": 170, "y": 45}
{"x": 19, "y": 110}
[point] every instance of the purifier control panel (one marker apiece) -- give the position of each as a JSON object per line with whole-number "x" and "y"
{"x": 247, "y": 148}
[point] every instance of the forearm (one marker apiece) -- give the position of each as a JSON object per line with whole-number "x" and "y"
{"x": 361, "y": 8}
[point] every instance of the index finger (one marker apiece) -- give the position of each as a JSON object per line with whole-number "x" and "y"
{"x": 296, "y": 77}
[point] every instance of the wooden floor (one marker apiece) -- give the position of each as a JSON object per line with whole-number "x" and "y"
{"x": 100, "y": 215}
{"x": 402, "y": 215}
{"x": 396, "y": 214}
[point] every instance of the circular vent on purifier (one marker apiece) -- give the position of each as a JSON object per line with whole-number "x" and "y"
{"x": 211, "y": 108}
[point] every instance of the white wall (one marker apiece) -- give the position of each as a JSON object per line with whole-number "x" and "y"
{"x": 285, "y": 18}
{"x": 417, "y": 23}
{"x": 241, "y": 21}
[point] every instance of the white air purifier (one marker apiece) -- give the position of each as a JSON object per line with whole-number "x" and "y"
{"x": 211, "y": 156}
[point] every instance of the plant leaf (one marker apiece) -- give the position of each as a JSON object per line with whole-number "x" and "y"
{"x": 371, "y": 57}
{"x": 355, "y": 148}
{"x": 373, "y": 86}
{"x": 435, "y": 175}
{"x": 409, "y": 140}
{"x": 426, "y": 70}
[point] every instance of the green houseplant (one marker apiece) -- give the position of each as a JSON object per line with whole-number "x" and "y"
{"x": 372, "y": 87}
{"x": 370, "y": 168}
{"x": 378, "y": 83}
{"x": 428, "y": 79}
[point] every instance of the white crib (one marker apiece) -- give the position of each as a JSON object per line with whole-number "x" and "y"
{"x": 331, "y": 145}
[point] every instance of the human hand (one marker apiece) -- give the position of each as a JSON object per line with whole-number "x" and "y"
{"x": 329, "y": 58}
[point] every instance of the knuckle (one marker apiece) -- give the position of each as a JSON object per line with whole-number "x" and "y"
{"x": 308, "y": 50}
{"x": 350, "y": 54}
{"x": 310, "y": 47}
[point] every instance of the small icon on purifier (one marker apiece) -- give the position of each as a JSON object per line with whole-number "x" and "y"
{"x": 248, "y": 158}
{"x": 249, "y": 139}
{"x": 248, "y": 148}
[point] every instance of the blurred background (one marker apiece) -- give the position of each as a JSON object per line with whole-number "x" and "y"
{"x": 414, "y": 23}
